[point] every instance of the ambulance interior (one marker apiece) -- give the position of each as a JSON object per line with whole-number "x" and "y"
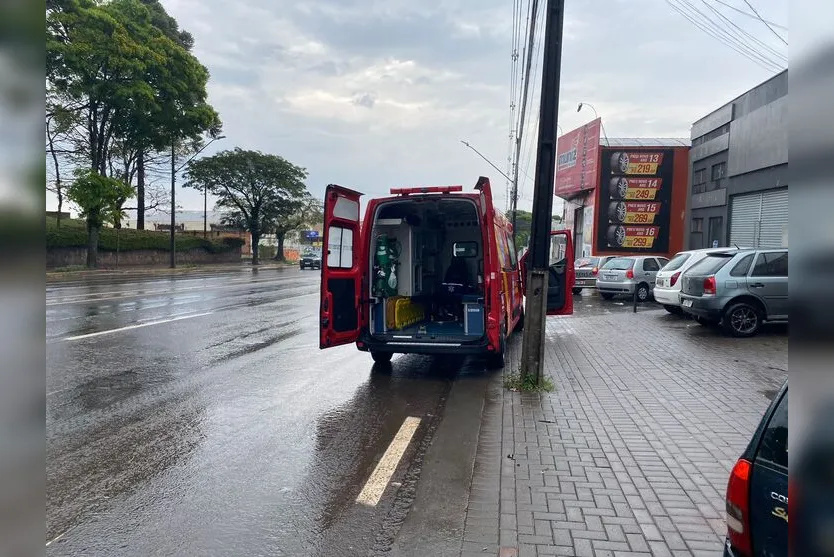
{"x": 427, "y": 269}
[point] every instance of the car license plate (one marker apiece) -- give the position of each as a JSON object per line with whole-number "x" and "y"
{"x": 687, "y": 303}
{"x": 610, "y": 277}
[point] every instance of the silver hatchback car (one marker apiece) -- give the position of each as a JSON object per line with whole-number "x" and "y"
{"x": 627, "y": 275}
{"x": 738, "y": 289}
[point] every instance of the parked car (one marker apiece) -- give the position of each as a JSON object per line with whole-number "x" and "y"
{"x": 738, "y": 289}
{"x": 625, "y": 275}
{"x": 757, "y": 491}
{"x": 586, "y": 270}
{"x": 667, "y": 286}
{"x": 310, "y": 260}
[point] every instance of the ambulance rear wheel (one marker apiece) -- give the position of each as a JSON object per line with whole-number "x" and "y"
{"x": 382, "y": 357}
{"x": 497, "y": 359}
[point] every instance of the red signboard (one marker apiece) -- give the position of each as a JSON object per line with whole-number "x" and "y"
{"x": 577, "y": 156}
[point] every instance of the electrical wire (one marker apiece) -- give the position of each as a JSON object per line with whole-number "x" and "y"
{"x": 531, "y": 142}
{"x": 760, "y": 60}
{"x": 763, "y": 45}
{"x": 748, "y": 14}
{"x": 772, "y": 30}
{"x": 728, "y": 37}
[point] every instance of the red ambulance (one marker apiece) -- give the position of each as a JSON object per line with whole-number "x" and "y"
{"x": 429, "y": 270}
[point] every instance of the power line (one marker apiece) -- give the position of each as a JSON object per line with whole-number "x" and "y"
{"x": 728, "y": 36}
{"x": 520, "y": 134}
{"x": 531, "y": 141}
{"x": 767, "y": 47}
{"x": 742, "y": 12}
{"x": 758, "y": 59}
{"x": 749, "y": 5}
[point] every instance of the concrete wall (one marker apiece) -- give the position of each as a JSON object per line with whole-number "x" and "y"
{"x": 70, "y": 257}
{"x": 759, "y": 139}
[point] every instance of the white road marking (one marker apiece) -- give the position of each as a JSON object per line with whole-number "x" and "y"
{"x": 137, "y": 326}
{"x": 375, "y": 486}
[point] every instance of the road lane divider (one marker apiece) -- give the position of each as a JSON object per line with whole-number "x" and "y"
{"x": 376, "y": 484}
{"x": 137, "y": 326}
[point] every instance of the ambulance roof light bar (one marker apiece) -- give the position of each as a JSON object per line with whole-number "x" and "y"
{"x": 426, "y": 189}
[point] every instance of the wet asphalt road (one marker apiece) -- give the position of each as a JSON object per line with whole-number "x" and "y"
{"x": 196, "y": 415}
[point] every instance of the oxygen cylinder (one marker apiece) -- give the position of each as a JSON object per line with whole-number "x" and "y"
{"x": 381, "y": 265}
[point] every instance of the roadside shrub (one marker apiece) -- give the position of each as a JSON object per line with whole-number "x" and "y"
{"x": 73, "y": 234}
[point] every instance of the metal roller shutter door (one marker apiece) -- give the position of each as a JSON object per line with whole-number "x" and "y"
{"x": 774, "y": 222}
{"x": 745, "y": 212}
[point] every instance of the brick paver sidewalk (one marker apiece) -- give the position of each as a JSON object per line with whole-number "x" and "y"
{"x": 631, "y": 454}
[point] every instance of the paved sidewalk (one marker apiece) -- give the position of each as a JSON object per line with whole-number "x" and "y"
{"x": 631, "y": 454}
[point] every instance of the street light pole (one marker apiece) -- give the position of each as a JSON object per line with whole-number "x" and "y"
{"x": 605, "y": 135}
{"x": 489, "y": 162}
{"x": 532, "y": 351}
{"x": 205, "y": 212}
{"x": 173, "y": 203}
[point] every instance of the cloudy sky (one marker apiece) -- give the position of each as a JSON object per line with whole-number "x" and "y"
{"x": 374, "y": 94}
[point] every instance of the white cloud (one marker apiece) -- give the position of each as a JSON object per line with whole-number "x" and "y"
{"x": 376, "y": 94}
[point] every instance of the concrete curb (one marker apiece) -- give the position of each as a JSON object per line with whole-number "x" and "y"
{"x": 58, "y": 276}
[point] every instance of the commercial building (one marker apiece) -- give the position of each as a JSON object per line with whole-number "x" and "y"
{"x": 739, "y": 171}
{"x": 623, "y": 195}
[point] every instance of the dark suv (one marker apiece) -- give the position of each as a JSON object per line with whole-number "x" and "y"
{"x": 757, "y": 492}
{"x": 310, "y": 260}
{"x": 739, "y": 289}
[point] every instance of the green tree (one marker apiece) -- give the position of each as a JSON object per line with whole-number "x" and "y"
{"x": 99, "y": 199}
{"x": 125, "y": 67}
{"x": 295, "y": 214}
{"x": 253, "y": 186}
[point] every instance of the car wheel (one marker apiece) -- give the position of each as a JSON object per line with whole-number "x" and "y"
{"x": 576, "y": 290}
{"x": 643, "y": 292}
{"x": 674, "y": 310}
{"x": 606, "y": 295}
{"x": 382, "y": 357}
{"x": 498, "y": 359}
{"x": 742, "y": 320}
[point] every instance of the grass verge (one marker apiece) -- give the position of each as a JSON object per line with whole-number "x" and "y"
{"x": 519, "y": 382}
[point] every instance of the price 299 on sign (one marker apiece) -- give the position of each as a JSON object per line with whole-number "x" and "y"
{"x": 620, "y": 236}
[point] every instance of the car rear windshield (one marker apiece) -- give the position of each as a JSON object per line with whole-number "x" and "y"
{"x": 586, "y": 262}
{"x": 710, "y": 264}
{"x": 619, "y": 264}
{"x": 774, "y": 445}
{"x": 677, "y": 262}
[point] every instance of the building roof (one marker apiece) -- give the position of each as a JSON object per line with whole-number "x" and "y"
{"x": 646, "y": 142}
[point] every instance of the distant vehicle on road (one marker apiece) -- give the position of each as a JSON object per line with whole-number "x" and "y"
{"x": 625, "y": 275}
{"x": 310, "y": 259}
{"x": 667, "y": 287}
{"x": 586, "y": 270}
{"x": 739, "y": 289}
{"x": 757, "y": 492}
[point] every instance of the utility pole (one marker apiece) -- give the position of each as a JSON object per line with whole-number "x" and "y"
{"x": 532, "y": 354}
{"x": 529, "y": 62}
{"x": 173, "y": 203}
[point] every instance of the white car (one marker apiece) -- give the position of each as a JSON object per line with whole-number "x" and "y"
{"x": 667, "y": 286}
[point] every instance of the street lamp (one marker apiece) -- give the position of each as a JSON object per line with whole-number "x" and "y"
{"x": 605, "y": 135}
{"x": 174, "y": 171}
